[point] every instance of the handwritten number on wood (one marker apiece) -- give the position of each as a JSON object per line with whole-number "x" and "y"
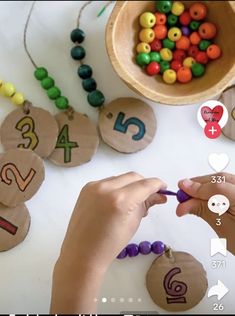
{"x": 27, "y": 126}
{"x": 175, "y": 289}
{"x": 64, "y": 143}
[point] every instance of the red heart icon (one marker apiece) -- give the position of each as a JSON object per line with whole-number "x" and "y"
{"x": 212, "y": 115}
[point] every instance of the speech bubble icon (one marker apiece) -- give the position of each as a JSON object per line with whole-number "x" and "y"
{"x": 219, "y": 245}
{"x": 218, "y": 204}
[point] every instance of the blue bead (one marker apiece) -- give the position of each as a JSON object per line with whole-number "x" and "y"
{"x": 158, "y": 247}
{"x": 132, "y": 250}
{"x": 145, "y": 247}
{"x": 122, "y": 254}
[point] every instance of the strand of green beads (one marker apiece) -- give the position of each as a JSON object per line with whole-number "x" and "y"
{"x": 95, "y": 97}
{"x": 53, "y": 92}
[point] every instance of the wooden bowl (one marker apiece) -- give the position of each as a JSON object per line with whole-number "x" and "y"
{"x": 122, "y": 37}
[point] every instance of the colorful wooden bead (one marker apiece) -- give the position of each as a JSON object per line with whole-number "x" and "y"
{"x": 78, "y": 52}
{"x": 47, "y": 83}
{"x": 166, "y": 54}
{"x": 132, "y": 250}
{"x": 158, "y": 247}
{"x": 202, "y": 58}
{"x": 160, "y": 18}
{"x": 169, "y": 76}
{"x": 204, "y": 44}
{"x": 146, "y": 35}
{"x": 176, "y": 65}
{"x": 156, "y": 45}
{"x": 193, "y": 51}
{"x": 184, "y": 75}
{"x": 155, "y": 56}
{"x": 18, "y": 98}
{"x": 195, "y": 38}
{"x": 95, "y": 98}
{"x": 85, "y": 71}
{"x": 177, "y": 8}
{"x": 77, "y": 36}
{"x": 198, "y": 11}
{"x": 62, "y": 103}
{"x": 7, "y": 89}
{"x": 185, "y": 30}
{"x": 207, "y": 30}
{"x": 183, "y": 43}
{"x": 185, "y": 18}
{"x": 179, "y": 54}
{"x": 188, "y": 62}
{"x": 143, "y": 59}
{"x": 213, "y": 51}
{"x": 160, "y": 32}
{"x": 167, "y": 43}
{"x": 145, "y": 247}
{"x": 164, "y": 6}
{"x": 198, "y": 70}
{"x": 147, "y": 20}
{"x": 153, "y": 68}
{"x": 164, "y": 66}
{"x": 89, "y": 84}
{"x": 40, "y": 73}
{"x": 143, "y": 48}
{"x": 172, "y": 20}
{"x": 174, "y": 34}
{"x": 53, "y": 93}
{"x": 194, "y": 25}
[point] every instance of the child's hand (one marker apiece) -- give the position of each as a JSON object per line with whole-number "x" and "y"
{"x": 201, "y": 189}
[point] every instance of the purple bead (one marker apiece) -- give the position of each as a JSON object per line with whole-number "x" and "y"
{"x": 122, "y": 254}
{"x": 145, "y": 247}
{"x": 182, "y": 196}
{"x": 132, "y": 250}
{"x": 158, "y": 247}
{"x": 185, "y": 30}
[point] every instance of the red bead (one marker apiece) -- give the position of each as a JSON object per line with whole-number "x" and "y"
{"x": 198, "y": 11}
{"x": 179, "y": 54}
{"x": 193, "y": 51}
{"x": 176, "y": 65}
{"x": 207, "y": 30}
{"x": 213, "y": 51}
{"x": 153, "y": 68}
{"x": 184, "y": 75}
{"x": 156, "y": 45}
{"x": 160, "y": 18}
{"x": 160, "y": 31}
{"x": 185, "y": 18}
{"x": 202, "y": 58}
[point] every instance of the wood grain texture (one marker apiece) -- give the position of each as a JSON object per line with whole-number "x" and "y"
{"x": 228, "y": 99}
{"x": 122, "y": 37}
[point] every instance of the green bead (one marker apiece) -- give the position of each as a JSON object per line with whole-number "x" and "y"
{"x": 172, "y": 20}
{"x": 78, "y": 52}
{"x": 40, "y": 73}
{"x": 164, "y": 6}
{"x": 194, "y": 25}
{"x": 53, "y": 93}
{"x": 96, "y": 98}
{"x": 77, "y": 35}
{"x": 47, "y": 83}
{"x": 143, "y": 59}
{"x": 198, "y": 70}
{"x": 155, "y": 56}
{"x": 165, "y": 65}
{"x": 204, "y": 44}
{"x": 89, "y": 84}
{"x": 62, "y": 103}
{"x": 85, "y": 71}
{"x": 167, "y": 43}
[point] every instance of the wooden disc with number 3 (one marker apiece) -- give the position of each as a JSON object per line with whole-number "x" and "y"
{"x": 34, "y": 129}
{"x": 21, "y": 174}
{"x": 77, "y": 142}
{"x": 127, "y": 125}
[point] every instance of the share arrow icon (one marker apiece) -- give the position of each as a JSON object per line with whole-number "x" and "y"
{"x": 220, "y": 290}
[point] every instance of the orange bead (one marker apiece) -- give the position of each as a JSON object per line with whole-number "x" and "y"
{"x": 195, "y": 38}
{"x": 198, "y": 11}
{"x": 160, "y": 18}
{"x": 183, "y": 43}
{"x": 207, "y": 30}
{"x": 184, "y": 75}
{"x": 160, "y": 31}
{"x": 213, "y": 51}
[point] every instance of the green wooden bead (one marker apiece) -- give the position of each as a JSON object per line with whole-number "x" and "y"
{"x": 77, "y": 35}
{"x": 155, "y": 56}
{"x": 40, "y": 73}
{"x": 167, "y": 43}
{"x": 164, "y": 6}
{"x": 62, "y": 103}
{"x": 165, "y": 65}
{"x": 143, "y": 59}
{"x": 204, "y": 44}
{"x": 78, "y": 52}
{"x": 85, "y": 71}
{"x": 96, "y": 98}
{"x": 53, "y": 93}
{"x": 194, "y": 25}
{"x": 198, "y": 70}
{"x": 47, "y": 83}
{"x": 172, "y": 19}
{"x": 89, "y": 84}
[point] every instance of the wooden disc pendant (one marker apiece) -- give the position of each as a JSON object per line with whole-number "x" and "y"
{"x": 127, "y": 125}
{"x": 30, "y": 128}
{"x": 77, "y": 142}
{"x": 14, "y": 225}
{"x": 176, "y": 281}
{"x": 21, "y": 175}
{"x": 228, "y": 99}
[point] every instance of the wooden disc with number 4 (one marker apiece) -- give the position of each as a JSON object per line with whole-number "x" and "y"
{"x": 127, "y": 125}
{"x": 77, "y": 142}
{"x": 14, "y": 225}
{"x": 34, "y": 129}
{"x": 21, "y": 174}
{"x": 176, "y": 281}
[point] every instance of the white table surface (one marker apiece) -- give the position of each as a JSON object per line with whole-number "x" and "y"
{"x": 179, "y": 150}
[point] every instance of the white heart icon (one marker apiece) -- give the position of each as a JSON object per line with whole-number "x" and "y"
{"x": 218, "y": 162}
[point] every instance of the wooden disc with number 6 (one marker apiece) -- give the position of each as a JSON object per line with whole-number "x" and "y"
{"x": 34, "y": 129}
{"x": 77, "y": 142}
{"x": 21, "y": 174}
{"x": 127, "y": 125}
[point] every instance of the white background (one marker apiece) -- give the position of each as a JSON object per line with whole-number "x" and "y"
{"x": 179, "y": 150}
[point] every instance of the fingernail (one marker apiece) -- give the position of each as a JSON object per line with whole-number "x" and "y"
{"x": 187, "y": 183}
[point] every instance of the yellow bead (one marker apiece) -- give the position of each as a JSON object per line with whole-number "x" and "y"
{"x": 169, "y": 76}
{"x": 18, "y": 98}
{"x": 174, "y": 34}
{"x": 147, "y": 35}
{"x": 147, "y": 20}
{"x": 143, "y": 48}
{"x": 166, "y": 54}
{"x": 177, "y": 8}
{"x": 7, "y": 89}
{"x": 189, "y": 61}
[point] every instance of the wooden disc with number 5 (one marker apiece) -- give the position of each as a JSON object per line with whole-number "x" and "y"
{"x": 127, "y": 125}
{"x": 77, "y": 142}
{"x": 34, "y": 129}
{"x": 21, "y": 175}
